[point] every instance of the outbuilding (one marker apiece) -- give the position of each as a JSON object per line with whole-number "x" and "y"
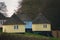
{"x": 14, "y": 25}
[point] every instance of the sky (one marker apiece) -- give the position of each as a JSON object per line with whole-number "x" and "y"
{"x": 12, "y": 6}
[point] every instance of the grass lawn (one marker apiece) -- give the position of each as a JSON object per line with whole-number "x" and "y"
{"x": 26, "y": 36}
{"x": 40, "y": 36}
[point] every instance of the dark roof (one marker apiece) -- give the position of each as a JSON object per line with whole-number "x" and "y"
{"x": 3, "y": 17}
{"x": 40, "y": 19}
{"x": 23, "y": 16}
{"x": 13, "y": 20}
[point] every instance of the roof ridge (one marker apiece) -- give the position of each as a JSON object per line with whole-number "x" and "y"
{"x": 14, "y": 20}
{"x": 41, "y": 18}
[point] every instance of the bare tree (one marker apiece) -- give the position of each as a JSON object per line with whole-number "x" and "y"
{"x": 3, "y": 8}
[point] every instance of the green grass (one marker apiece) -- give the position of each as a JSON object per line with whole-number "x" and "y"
{"x": 40, "y": 36}
{"x": 30, "y": 35}
{"x": 34, "y": 35}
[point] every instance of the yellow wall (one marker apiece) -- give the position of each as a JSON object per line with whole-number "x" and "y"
{"x": 10, "y": 29}
{"x": 39, "y": 27}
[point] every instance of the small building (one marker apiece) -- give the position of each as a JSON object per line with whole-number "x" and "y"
{"x": 56, "y": 31}
{"x": 41, "y": 23}
{"x": 14, "y": 25}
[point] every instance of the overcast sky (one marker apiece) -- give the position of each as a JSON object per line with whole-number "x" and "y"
{"x": 11, "y": 6}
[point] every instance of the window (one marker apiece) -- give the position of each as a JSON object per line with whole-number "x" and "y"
{"x": 44, "y": 25}
{"x": 15, "y": 26}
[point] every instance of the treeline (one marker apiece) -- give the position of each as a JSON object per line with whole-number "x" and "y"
{"x": 49, "y": 8}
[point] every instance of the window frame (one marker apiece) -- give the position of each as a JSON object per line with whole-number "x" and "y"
{"x": 15, "y": 27}
{"x": 44, "y": 25}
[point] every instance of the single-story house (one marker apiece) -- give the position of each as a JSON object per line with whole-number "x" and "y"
{"x": 41, "y": 23}
{"x": 14, "y": 25}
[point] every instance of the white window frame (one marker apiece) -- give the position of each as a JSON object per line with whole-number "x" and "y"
{"x": 15, "y": 27}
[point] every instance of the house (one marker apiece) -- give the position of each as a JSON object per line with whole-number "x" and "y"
{"x": 14, "y": 25}
{"x": 41, "y": 23}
